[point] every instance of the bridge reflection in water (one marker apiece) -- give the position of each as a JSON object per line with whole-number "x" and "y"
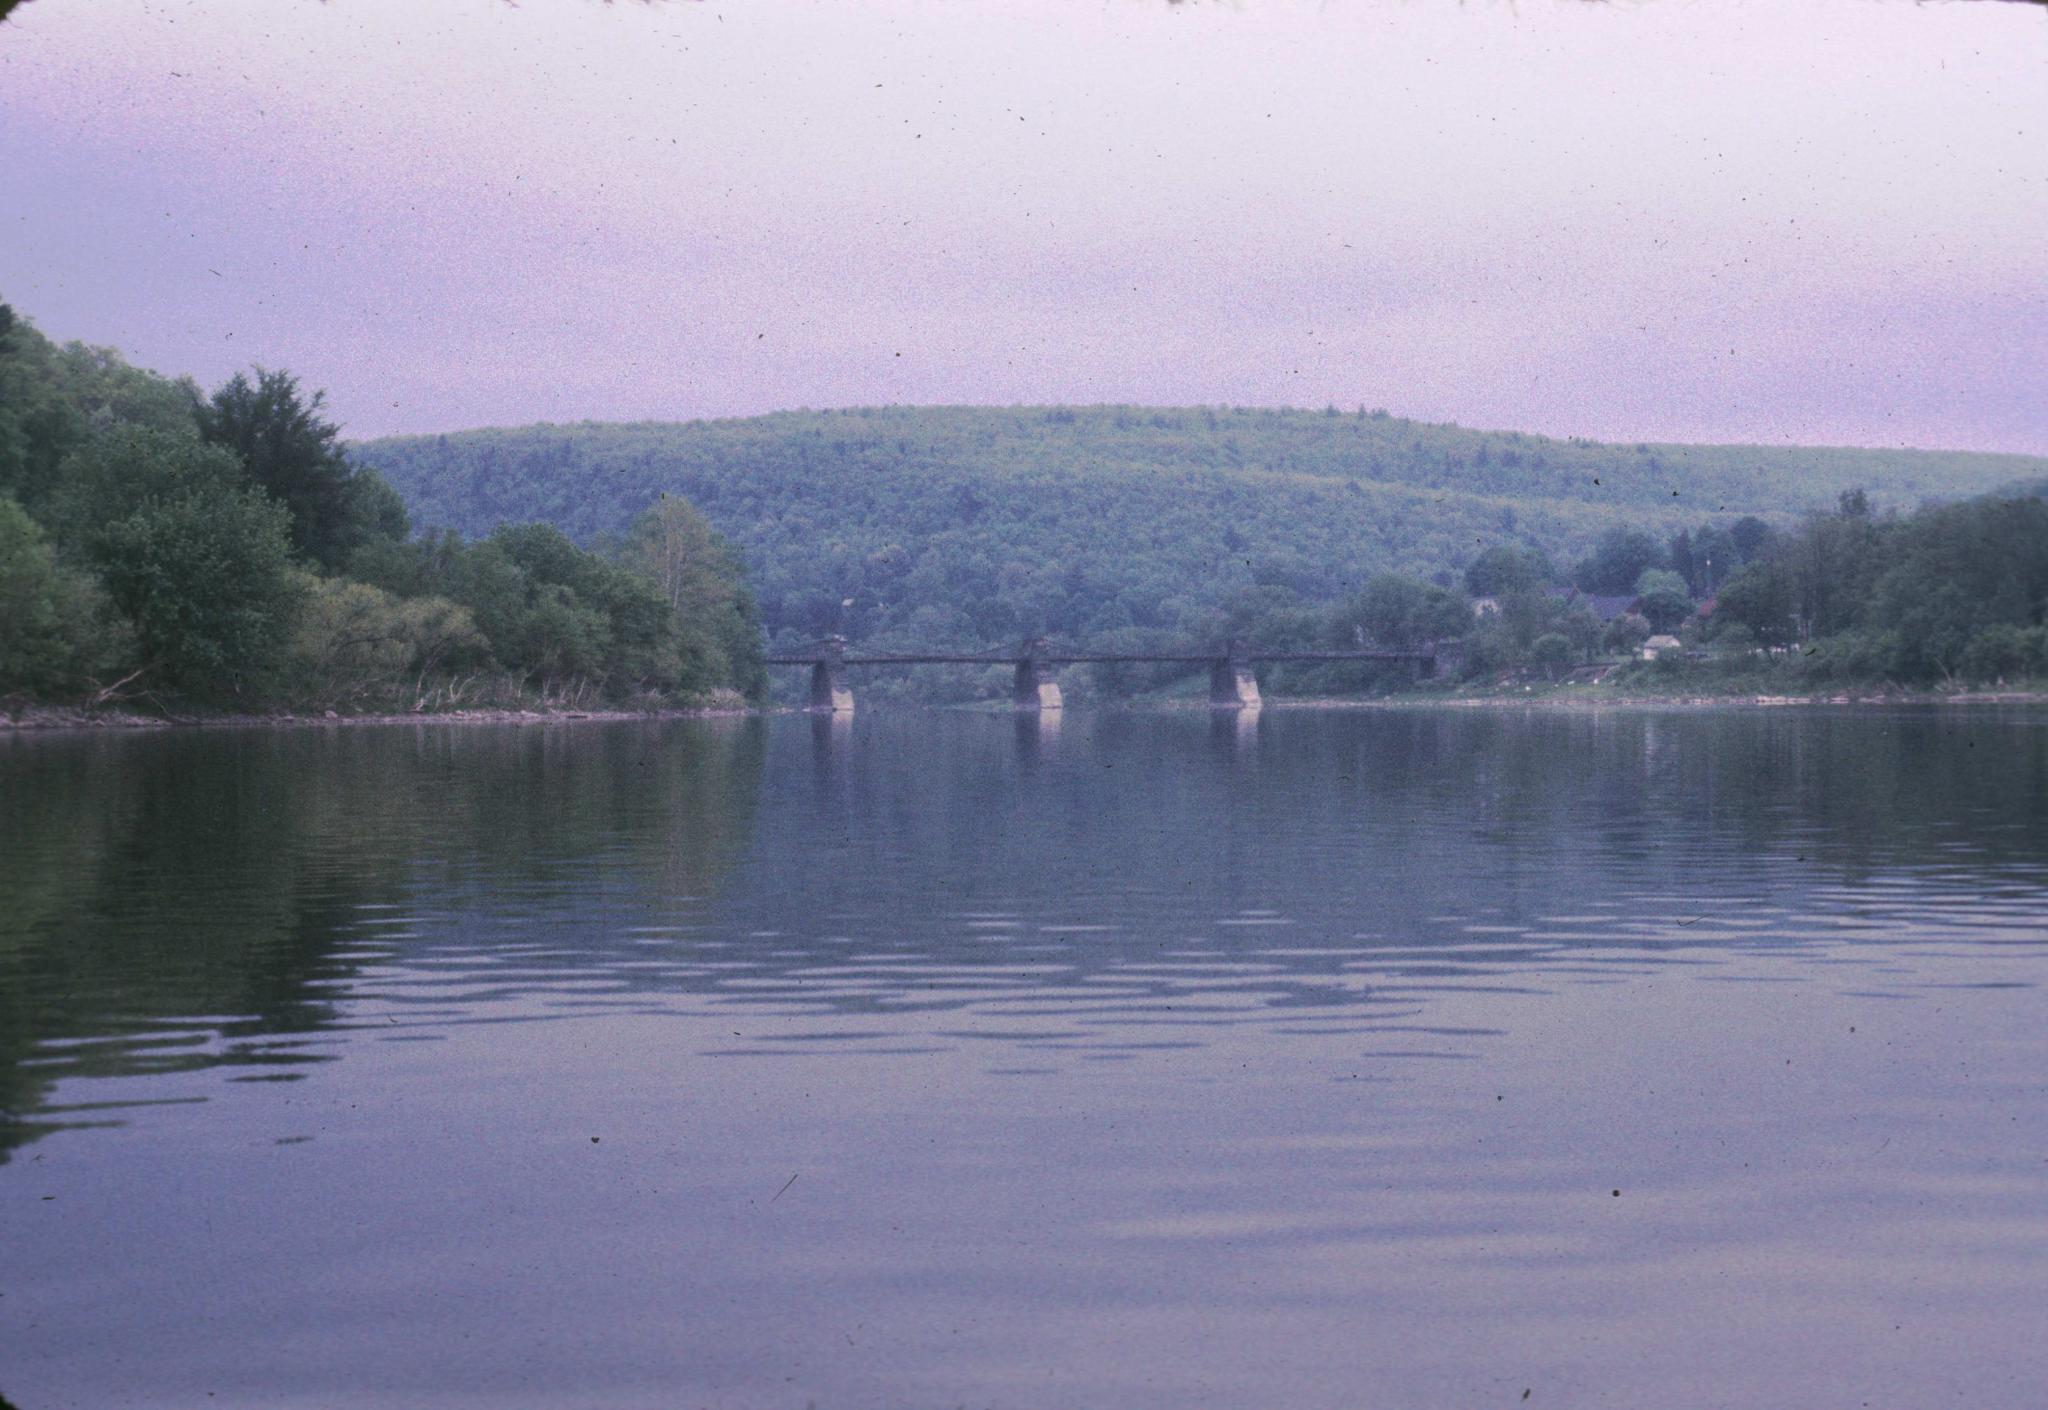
{"x": 1232, "y": 682}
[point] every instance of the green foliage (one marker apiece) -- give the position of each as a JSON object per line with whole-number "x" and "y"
{"x": 147, "y": 535}
{"x": 1749, "y": 534}
{"x": 1619, "y": 558}
{"x": 1625, "y": 635}
{"x": 1734, "y": 640}
{"x": 587, "y": 616}
{"x": 194, "y": 560}
{"x": 1552, "y": 651}
{"x": 53, "y": 399}
{"x": 966, "y": 527}
{"x": 358, "y": 644}
{"x": 1951, "y": 592}
{"x": 2003, "y": 649}
{"x": 1662, "y": 598}
{"x": 1507, "y": 568}
{"x": 978, "y": 527}
{"x": 128, "y": 468}
{"x": 1520, "y": 634}
{"x": 374, "y": 512}
{"x": 1760, "y": 602}
{"x": 557, "y": 615}
{"x": 718, "y": 635}
{"x": 53, "y": 629}
{"x": 286, "y": 446}
{"x": 1399, "y": 614}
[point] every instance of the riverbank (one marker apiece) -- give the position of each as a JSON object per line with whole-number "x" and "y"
{"x": 1566, "y": 695}
{"x": 39, "y": 718}
{"x": 1602, "y": 695}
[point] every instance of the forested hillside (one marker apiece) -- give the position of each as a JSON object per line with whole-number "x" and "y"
{"x": 973, "y": 526}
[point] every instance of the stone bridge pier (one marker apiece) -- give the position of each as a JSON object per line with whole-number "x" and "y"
{"x": 1036, "y": 688}
{"x": 1232, "y": 684}
{"x": 829, "y": 691}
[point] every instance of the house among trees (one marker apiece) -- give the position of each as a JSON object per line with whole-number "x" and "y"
{"x": 1659, "y": 645}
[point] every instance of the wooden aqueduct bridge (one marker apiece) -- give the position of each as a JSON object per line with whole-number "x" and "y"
{"x": 1232, "y": 683}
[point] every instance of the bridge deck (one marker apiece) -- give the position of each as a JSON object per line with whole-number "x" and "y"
{"x": 1078, "y": 658}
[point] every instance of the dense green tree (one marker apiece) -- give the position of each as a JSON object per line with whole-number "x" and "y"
{"x": 1625, "y": 635}
{"x": 2003, "y": 649}
{"x": 1833, "y": 564}
{"x": 197, "y": 561}
{"x": 1400, "y": 614}
{"x": 1506, "y": 568}
{"x": 1760, "y": 600}
{"x": 1749, "y": 534}
{"x": 1662, "y": 598}
{"x": 1619, "y": 557}
{"x": 589, "y": 616}
{"x": 1506, "y": 639}
{"x": 53, "y": 399}
{"x": 290, "y": 449}
{"x": 1953, "y": 572}
{"x": 699, "y": 576}
{"x": 557, "y": 614}
{"x": 1552, "y": 652}
{"x": 374, "y": 513}
{"x": 357, "y": 643}
{"x": 1948, "y": 593}
{"x": 54, "y": 629}
{"x": 1712, "y": 558}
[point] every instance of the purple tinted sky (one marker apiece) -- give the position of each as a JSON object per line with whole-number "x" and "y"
{"x": 1667, "y": 220}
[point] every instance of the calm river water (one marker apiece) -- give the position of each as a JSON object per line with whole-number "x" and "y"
{"x": 1322, "y": 1059}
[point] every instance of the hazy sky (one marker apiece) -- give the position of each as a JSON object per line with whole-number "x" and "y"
{"x": 1673, "y": 219}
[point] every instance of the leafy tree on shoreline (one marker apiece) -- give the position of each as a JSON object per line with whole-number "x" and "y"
{"x": 54, "y": 622}
{"x": 1619, "y": 558}
{"x": 1662, "y": 598}
{"x": 1399, "y": 614}
{"x": 1508, "y": 568}
{"x": 55, "y": 399}
{"x": 294, "y": 453}
{"x": 155, "y": 540}
{"x": 354, "y": 640}
{"x": 697, "y": 573}
{"x": 198, "y": 562}
{"x": 1951, "y": 592}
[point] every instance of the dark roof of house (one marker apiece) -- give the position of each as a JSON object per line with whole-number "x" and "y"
{"x": 1605, "y": 606}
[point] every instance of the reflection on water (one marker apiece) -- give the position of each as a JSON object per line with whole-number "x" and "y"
{"x": 207, "y": 900}
{"x": 1417, "y": 1058}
